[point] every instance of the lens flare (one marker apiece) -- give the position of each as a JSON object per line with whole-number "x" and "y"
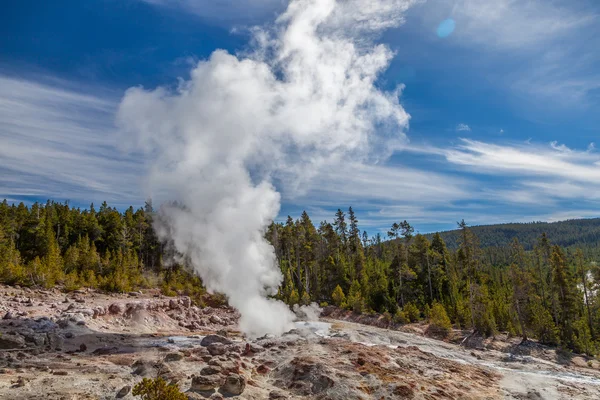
{"x": 446, "y": 27}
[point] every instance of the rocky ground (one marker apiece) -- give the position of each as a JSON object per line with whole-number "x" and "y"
{"x": 89, "y": 345}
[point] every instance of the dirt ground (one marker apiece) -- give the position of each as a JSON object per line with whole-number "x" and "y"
{"x": 90, "y": 345}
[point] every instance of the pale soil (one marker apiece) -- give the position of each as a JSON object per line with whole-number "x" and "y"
{"x": 96, "y": 344}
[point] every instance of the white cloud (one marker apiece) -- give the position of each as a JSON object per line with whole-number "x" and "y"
{"x": 463, "y": 128}
{"x": 516, "y": 24}
{"x": 526, "y": 160}
{"x": 359, "y": 184}
{"x": 57, "y": 143}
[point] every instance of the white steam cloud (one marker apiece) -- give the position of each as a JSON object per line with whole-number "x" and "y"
{"x": 303, "y": 98}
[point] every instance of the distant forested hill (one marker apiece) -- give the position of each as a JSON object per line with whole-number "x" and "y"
{"x": 583, "y": 233}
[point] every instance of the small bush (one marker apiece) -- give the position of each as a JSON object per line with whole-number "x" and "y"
{"x": 387, "y": 316}
{"x": 401, "y": 317}
{"x": 157, "y": 389}
{"x": 293, "y": 298}
{"x": 338, "y": 296}
{"x": 356, "y": 304}
{"x": 412, "y": 311}
{"x": 305, "y": 299}
{"x": 439, "y": 322}
{"x": 323, "y": 304}
{"x": 427, "y": 311}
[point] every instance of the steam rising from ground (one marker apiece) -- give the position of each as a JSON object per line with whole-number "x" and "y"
{"x": 300, "y": 100}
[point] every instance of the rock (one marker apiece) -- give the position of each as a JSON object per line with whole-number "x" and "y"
{"x": 186, "y": 301}
{"x": 217, "y": 349}
{"x": 11, "y": 342}
{"x": 276, "y": 395}
{"x": 140, "y": 368}
{"x": 262, "y": 369}
{"x": 102, "y": 351}
{"x": 60, "y": 373}
{"x": 404, "y": 391}
{"x": 210, "y": 370}
{"x": 82, "y": 347}
{"x": 163, "y": 370}
{"x": 216, "y": 396}
{"x": 8, "y": 315}
{"x": 210, "y": 339}
{"x": 38, "y": 339}
{"x": 116, "y": 308}
{"x": 123, "y": 392}
{"x": 216, "y": 320}
{"x": 63, "y": 323}
{"x": 20, "y": 382}
{"x": 204, "y": 383}
{"x": 251, "y": 349}
{"x": 304, "y": 376}
{"x": 55, "y": 341}
{"x": 88, "y": 312}
{"x": 69, "y": 335}
{"x": 172, "y": 357}
{"x": 234, "y": 385}
{"x": 173, "y": 305}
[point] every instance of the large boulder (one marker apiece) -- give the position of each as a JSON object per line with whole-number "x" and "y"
{"x": 234, "y": 385}
{"x": 11, "y": 342}
{"x": 217, "y": 349}
{"x": 210, "y": 339}
{"x": 210, "y": 370}
{"x": 123, "y": 392}
{"x": 205, "y": 383}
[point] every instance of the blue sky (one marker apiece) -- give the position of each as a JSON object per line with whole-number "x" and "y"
{"x": 503, "y": 99}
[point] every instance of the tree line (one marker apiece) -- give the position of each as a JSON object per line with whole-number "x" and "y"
{"x": 582, "y": 233}
{"x": 546, "y": 292}
{"x": 55, "y": 244}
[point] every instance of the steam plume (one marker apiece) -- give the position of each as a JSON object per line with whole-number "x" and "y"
{"x": 301, "y": 99}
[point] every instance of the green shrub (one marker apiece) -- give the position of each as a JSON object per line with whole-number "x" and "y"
{"x": 387, "y": 316}
{"x": 305, "y": 298}
{"x": 294, "y": 298}
{"x": 157, "y": 389}
{"x": 401, "y": 317}
{"x": 338, "y": 296}
{"x": 412, "y": 311}
{"x": 427, "y": 311}
{"x": 439, "y": 323}
{"x": 356, "y": 304}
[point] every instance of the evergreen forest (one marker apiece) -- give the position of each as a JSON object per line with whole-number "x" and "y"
{"x": 537, "y": 281}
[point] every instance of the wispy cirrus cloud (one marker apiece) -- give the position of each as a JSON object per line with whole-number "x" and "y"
{"x": 515, "y": 24}
{"x": 463, "y": 128}
{"x": 552, "y": 161}
{"x": 58, "y": 143}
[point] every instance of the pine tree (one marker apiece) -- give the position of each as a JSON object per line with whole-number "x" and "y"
{"x": 566, "y": 303}
{"x": 338, "y": 297}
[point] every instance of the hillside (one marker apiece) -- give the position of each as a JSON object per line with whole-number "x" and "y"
{"x": 570, "y": 233}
